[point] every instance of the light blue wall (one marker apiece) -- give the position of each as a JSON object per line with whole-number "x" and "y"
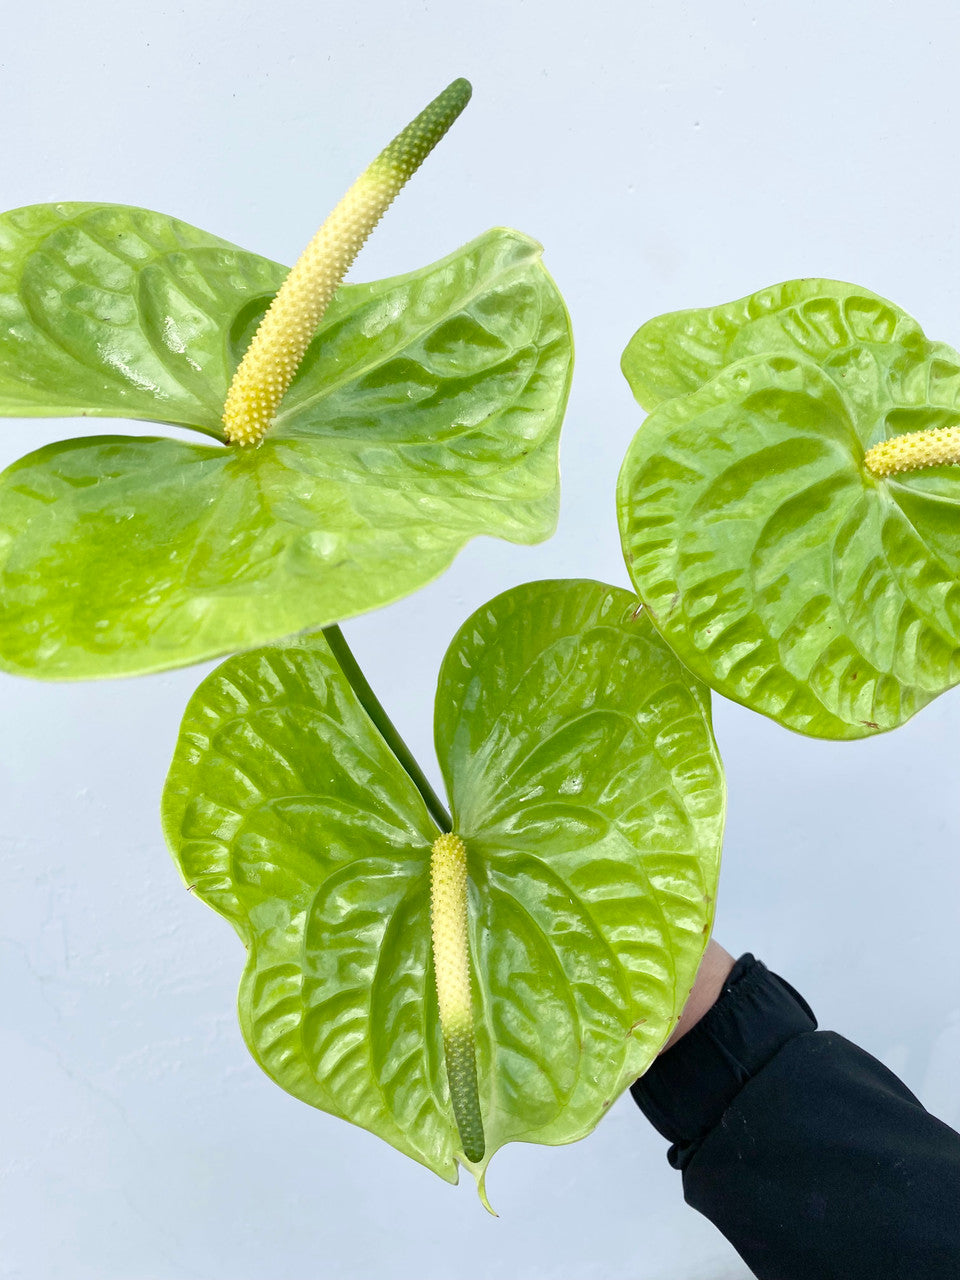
{"x": 668, "y": 155}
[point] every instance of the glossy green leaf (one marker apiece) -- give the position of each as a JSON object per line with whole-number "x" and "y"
{"x": 584, "y": 779}
{"x": 586, "y": 784}
{"x": 779, "y": 569}
{"x": 426, "y": 412}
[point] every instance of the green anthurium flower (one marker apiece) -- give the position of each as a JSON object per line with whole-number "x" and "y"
{"x": 360, "y": 436}
{"x": 455, "y": 990}
{"x": 790, "y": 510}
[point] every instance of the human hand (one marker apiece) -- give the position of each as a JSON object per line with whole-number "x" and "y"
{"x": 713, "y": 972}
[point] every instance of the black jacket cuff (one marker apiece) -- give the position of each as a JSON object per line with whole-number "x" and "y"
{"x": 688, "y": 1088}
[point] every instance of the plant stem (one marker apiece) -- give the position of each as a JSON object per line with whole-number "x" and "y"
{"x": 371, "y": 704}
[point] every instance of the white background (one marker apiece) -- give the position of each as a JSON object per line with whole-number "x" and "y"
{"x": 668, "y": 155}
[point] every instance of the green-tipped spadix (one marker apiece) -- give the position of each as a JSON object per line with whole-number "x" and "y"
{"x": 287, "y": 329}
{"x": 451, "y": 962}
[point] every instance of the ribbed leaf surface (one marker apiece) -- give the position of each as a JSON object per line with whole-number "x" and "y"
{"x": 779, "y": 569}
{"x": 587, "y": 787}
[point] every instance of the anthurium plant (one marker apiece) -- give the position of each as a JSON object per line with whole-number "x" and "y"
{"x": 354, "y": 438}
{"x": 502, "y": 973}
{"x": 452, "y": 980}
{"x": 458, "y": 973}
{"x": 790, "y": 511}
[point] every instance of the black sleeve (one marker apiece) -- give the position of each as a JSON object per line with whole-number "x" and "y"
{"x": 811, "y": 1157}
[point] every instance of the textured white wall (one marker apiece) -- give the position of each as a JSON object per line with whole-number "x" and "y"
{"x": 668, "y": 154}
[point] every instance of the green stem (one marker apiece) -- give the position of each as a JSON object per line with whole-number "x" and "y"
{"x": 371, "y": 705}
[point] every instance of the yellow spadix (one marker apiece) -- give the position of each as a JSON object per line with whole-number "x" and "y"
{"x": 914, "y": 451}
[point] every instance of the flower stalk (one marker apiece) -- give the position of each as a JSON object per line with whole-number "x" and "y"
{"x": 373, "y": 707}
